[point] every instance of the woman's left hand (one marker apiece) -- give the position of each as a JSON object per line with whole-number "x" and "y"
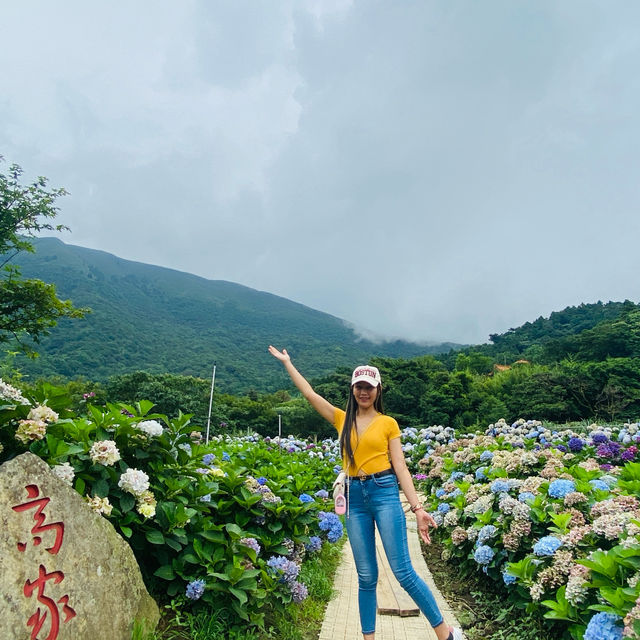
{"x": 425, "y": 520}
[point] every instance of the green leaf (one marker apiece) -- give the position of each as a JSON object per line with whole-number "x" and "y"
{"x": 155, "y": 537}
{"x": 241, "y": 595}
{"x": 101, "y": 488}
{"x": 234, "y": 529}
{"x": 165, "y": 572}
{"x": 79, "y": 486}
{"x": 174, "y": 544}
{"x": 213, "y": 536}
{"x": 127, "y": 502}
{"x": 126, "y": 531}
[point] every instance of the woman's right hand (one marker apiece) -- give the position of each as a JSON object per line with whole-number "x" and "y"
{"x": 283, "y": 356}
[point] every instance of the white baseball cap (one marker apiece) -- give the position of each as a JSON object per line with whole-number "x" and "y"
{"x": 366, "y": 373}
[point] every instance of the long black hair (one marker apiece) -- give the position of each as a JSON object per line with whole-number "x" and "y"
{"x": 350, "y": 423}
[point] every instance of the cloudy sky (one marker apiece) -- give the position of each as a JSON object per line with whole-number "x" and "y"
{"x": 432, "y": 170}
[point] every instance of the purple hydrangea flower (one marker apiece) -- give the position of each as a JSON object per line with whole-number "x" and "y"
{"x": 575, "y": 444}
{"x": 252, "y": 543}
{"x": 599, "y": 438}
{"x": 323, "y": 494}
{"x": 299, "y": 591}
{"x": 287, "y": 569}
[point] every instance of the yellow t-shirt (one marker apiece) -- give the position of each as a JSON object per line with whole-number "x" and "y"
{"x": 371, "y": 449}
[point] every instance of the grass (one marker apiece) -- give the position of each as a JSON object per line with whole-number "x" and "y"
{"x": 481, "y": 607}
{"x": 293, "y": 622}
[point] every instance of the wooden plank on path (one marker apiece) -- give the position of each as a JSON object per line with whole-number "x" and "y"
{"x": 393, "y": 600}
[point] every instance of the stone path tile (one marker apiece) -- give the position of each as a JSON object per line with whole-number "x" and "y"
{"x": 341, "y": 621}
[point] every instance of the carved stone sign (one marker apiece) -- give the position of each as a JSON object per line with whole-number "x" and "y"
{"x": 65, "y": 573}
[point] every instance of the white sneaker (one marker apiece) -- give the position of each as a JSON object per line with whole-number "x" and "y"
{"x": 457, "y": 634}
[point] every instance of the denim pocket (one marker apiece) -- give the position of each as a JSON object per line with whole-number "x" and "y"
{"x": 386, "y": 481}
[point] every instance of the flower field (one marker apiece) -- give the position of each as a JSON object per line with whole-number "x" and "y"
{"x": 224, "y": 526}
{"x": 550, "y": 514}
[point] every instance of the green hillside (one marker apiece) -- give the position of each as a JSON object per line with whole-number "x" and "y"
{"x": 160, "y": 320}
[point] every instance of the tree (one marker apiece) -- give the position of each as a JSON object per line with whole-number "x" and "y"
{"x": 28, "y": 307}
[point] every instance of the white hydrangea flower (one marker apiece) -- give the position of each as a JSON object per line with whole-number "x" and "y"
{"x": 99, "y": 505}
{"x": 7, "y": 392}
{"x": 43, "y": 414}
{"x": 134, "y": 481}
{"x": 104, "y": 452}
{"x": 65, "y": 472}
{"x": 150, "y": 427}
{"x": 146, "y": 504}
{"x": 29, "y": 430}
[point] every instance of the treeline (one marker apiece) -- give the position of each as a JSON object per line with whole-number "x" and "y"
{"x": 583, "y": 367}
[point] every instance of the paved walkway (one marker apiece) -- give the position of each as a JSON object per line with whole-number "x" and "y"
{"x": 341, "y": 621}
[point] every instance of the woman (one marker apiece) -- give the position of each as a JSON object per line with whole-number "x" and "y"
{"x": 374, "y": 461}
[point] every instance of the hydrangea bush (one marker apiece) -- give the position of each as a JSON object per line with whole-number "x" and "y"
{"x": 550, "y": 514}
{"x": 225, "y": 525}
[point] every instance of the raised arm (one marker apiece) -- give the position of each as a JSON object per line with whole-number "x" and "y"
{"x": 322, "y": 406}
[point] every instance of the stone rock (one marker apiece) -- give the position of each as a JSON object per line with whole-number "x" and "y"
{"x": 65, "y": 573}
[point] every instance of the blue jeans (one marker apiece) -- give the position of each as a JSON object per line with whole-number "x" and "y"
{"x": 377, "y": 500}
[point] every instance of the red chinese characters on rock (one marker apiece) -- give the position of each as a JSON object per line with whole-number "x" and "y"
{"x": 37, "y": 586}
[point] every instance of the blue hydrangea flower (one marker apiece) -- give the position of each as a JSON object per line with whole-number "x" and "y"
{"x": 486, "y": 455}
{"x": 483, "y": 554}
{"x": 440, "y": 492}
{"x": 305, "y": 497}
{"x": 561, "y": 487}
{"x": 443, "y": 507}
{"x": 206, "y": 498}
{"x": 526, "y": 495}
{"x": 225, "y": 456}
{"x": 314, "y": 544}
{"x": 480, "y": 474}
{"x": 330, "y": 522}
{"x": 599, "y": 484}
{"x": 508, "y": 578}
{"x": 456, "y": 475}
{"x": 337, "y": 469}
{"x": 195, "y": 589}
{"x": 261, "y": 481}
{"x": 500, "y": 486}
{"x": 287, "y": 569}
{"x": 323, "y": 494}
{"x": 208, "y": 459}
{"x": 486, "y": 533}
{"x": 547, "y": 546}
{"x": 604, "y": 626}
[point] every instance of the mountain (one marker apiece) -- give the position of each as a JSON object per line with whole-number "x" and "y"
{"x": 160, "y": 320}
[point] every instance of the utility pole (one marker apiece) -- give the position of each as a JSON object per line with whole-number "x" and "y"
{"x": 213, "y": 381}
